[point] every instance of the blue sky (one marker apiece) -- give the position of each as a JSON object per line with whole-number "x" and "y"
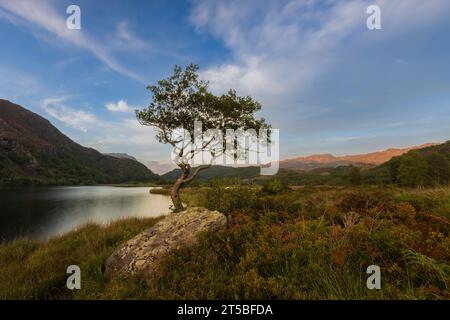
{"x": 326, "y": 81}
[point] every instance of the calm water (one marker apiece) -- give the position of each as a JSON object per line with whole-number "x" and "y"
{"x": 39, "y": 213}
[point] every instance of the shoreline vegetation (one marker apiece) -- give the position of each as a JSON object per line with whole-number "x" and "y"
{"x": 282, "y": 243}
{"x": 161, "y": 190}
{"x": 122, "y": 185}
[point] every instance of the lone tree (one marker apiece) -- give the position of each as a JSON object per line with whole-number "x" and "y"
{"x": 181, "y": 100}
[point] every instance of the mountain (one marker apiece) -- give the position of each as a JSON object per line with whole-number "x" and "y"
{"x": 429, "y": 166}
{"x": 33, "y": 151}
{"x": 330, "y": 161}
{"x": 314, "y": 169}
{"x": 121, "y": 156}
{"x": 216, "y": 171}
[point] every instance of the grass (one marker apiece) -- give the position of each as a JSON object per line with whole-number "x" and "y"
{"x": 302, "y": 243}
{"x": 33, "y": 270}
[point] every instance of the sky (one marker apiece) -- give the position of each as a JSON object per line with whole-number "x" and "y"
{"x": 327, "y": 82}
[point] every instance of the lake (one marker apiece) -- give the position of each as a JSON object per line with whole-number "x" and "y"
{"x": 40, "y": 213}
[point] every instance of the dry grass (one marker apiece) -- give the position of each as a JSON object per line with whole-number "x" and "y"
{"x": 305, "y": 243}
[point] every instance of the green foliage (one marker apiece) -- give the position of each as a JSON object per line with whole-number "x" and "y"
{"x": 179, "y": 103}
{"x": 438, "y": 168}
{"x": 181, "y": 99}
{"x": 33, "y": 270}
{"x": 34, "y": 152}
{"x": 227, "y": 198}
{"x": 273, "y": 187}
{"x": 300, "y": 243}
{"x": 412, "y": 170}
{"x": 355, "y": 176}
{"x": 423, "y": 167}
{"x": 319, "y": 249}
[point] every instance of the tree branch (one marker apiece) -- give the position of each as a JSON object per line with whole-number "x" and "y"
{"x": 196, "y": 172}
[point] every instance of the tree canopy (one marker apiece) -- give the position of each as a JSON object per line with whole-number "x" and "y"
{"x": 183, "y": 99}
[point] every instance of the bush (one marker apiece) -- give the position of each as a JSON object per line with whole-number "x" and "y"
{"x": 306, "y": 243}
{"x": 273, "y": 187}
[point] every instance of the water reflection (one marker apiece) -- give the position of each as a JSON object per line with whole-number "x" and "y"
{"x": 39, "y": 213}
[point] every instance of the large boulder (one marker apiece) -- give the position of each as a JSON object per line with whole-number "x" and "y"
{"x": 144, "y": 252}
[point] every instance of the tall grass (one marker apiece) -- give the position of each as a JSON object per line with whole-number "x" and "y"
{"x": 33, "y": 270}
{"x": 281, "y": 243}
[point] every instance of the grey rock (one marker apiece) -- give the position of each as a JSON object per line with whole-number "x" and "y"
{"x": 144, "y": 252}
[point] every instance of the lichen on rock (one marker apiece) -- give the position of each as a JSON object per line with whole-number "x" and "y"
{"x": 144, "y": 252}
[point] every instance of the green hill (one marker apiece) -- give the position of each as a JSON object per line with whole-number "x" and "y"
{"x": 217, "y": 172}
{"x": 423, "y": 167}
{"x": 33, "y": 151}
{"x": 428, "y": 166}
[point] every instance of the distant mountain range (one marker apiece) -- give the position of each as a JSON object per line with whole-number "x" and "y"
{"x": 329, "y": 161}
{"x": 33, "y": 151}
{"x": 121, "y": 156}
{"x": 314, "y": 165}
{"x": 217, "y": 171}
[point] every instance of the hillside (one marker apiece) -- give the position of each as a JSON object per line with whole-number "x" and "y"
{"x": 121, "y": 156}
{"x": 217, "y": 171}
{"x": 310, "y": 170}
{"x": 33, "y": 151}
{"x": 330, "y": 161}
{"x": 422, "y": 167}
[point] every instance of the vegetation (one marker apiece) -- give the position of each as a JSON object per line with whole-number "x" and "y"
{"x": 34, "y": 152}
{"x": 282, "y": 242}
{"x": 183, "y": 99}
{"x": 33, "y": 270}
{"x": 70, "y": 168}
{"x": 164, "y": 191}
{"x": 425, "y": 167}
{"x": 298, "y": 235}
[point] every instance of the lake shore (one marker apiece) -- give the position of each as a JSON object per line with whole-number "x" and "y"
{"x": 307, "y": 243}
{"x": 39, "y": 213}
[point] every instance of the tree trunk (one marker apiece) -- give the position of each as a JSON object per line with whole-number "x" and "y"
{"x": 175, "y": 193}
{"x": 183, "y": 180}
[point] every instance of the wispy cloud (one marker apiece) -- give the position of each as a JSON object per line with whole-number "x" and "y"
{"x": 282, "y": 46}
{"x": 275, "y": 49}
{"x": 73, "y": 118}
{"x": 302, "y": 57}
{"x": 124, "y": 135}
{"x": 41, "y": 14}
{"x": 127, "y": 39}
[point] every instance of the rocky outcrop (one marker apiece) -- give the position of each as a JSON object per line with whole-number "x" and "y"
{"x": 144, "y": 252}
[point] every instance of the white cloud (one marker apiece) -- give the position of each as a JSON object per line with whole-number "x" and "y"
{"x": 303, "y": 57}
{"x": 40, "y": 14}
{"x": 275, "y": 50}
{"x": 125, "y": 132}
{"x": 281, "y": 47}
{"x": 125, "y": 135}
{"x": 76, "y": 119}
{"x": 129, "y": 136}
{"x": 119, "y": 106}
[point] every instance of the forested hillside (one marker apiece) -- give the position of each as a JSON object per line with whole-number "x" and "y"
{"x": 33, "y": 151}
